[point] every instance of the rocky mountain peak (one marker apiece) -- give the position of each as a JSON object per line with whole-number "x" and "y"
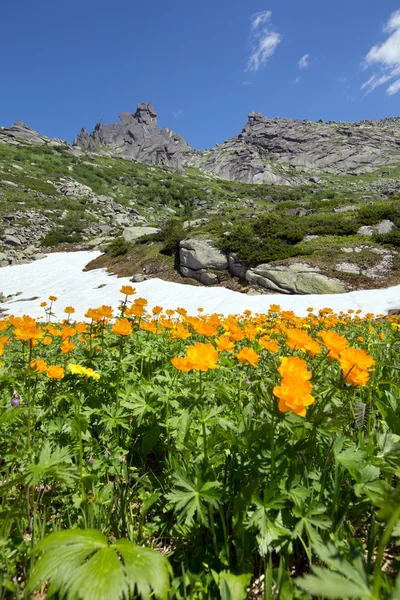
{"x": 137, "y": 136}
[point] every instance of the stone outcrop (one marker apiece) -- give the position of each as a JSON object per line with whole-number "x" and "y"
{"x": 138, "y": 137}
{"x": 199, "y": 259}
{"x": 297, "y": 278}
{"x": 283, "y": 151}
{"x": 19, "y": 132}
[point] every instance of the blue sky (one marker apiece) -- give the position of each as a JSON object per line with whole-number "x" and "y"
{"x": 204, "y": 65}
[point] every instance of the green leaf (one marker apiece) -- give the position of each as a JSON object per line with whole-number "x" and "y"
{"x": 345, "y": 581}
{"x": 150, "y": 440}
{"x": 233, "y": 587}
{"x": 191, "y": 497}
{"x": 55, "y": 463}
{"x": 80, "y": 563}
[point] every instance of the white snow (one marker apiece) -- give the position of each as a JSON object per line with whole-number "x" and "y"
{"x": 61, "y": 274}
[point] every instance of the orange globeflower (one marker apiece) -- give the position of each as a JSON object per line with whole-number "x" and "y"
{"x": 55, "y": 372}
{"x": 67, "y": 346}
{"x": 157, "y": 310}
{"x": 356, "y": 364}
{"x": 43, "y": 304}
{"x": 69, "y": 310}
{"x": 28, "y": 333}
{"x": 105, "y": 312}
{"x": 183, "y": 364}
{"x": 135, "y": 310}
{"x": 67, "y": 332}
{"x": 47, "y": 340}
{"x": 203, "y": 356}
{"x": 293, "y": 366}
{"x": 224, "y": 344}
{"x": 141, "y": 302}
{"x": 53, "y": 298}
{"x": 334, "y": 342}
{"x": 38, "y": 365}
{"x": 179, "y": 332}
{"x": 294, "y": 394}
{"x": 81, "y": 327}
{"x": 298, "y": 339}
{"x": 248, "y": 355}
{"x": 122, "y": 327}
{"x": 267, "y": 344}
{"x": 128, "y": 290}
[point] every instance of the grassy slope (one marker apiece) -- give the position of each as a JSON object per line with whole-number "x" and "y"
{"x": 229, "y": 207}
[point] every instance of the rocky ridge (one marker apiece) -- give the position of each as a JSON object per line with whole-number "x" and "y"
{"x": 138, "y": 137}
{"x": 271, "y": 151}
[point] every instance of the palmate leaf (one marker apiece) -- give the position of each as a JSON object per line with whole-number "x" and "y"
{"x": 345, "y": 581}
{"x": 55, "y": 463}
{"x": 192, "y": 497}
{"x": 80, "y": 564}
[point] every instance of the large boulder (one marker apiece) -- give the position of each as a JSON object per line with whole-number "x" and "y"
{"x": 199, "y": 259}
{"x": 298, "y": 278}
{"x": 201, "y": 254}
{"x": 131, "y": 234}
{"x": 237, "y": 267}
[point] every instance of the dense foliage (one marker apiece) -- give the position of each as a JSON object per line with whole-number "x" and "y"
{"x": 168, "y": 456}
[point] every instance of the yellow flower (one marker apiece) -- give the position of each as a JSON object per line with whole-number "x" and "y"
{"x": 294, "y": 394}
{"x": 76, "y": 369}
{"x": 43, "y": 304}
{"x": 224, "y": 344}
{"x": 55, "y": 372}
{"x": 69, "y": 310}
{"x": 67, "y": 346}
{"x": 53, "y": 298}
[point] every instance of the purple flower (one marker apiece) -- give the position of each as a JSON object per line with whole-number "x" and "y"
{"x": 248, "y": 382}
{"x": 91, "y": 461}
{"x": 15, "y": 401}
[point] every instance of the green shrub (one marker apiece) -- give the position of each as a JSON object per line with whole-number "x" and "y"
{"x": 388, "y": 239}
{"x": 59, "y": 236}
{"x": 118, "y": 247}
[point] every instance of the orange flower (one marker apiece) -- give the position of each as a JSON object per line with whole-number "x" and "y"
{"x": 47, "y": 340}
{"x": 224, "y": 344}
{"x": 43, "y": 304}
{"x": 53, "y": 298}
{"x": 294, "y": 394}
{"x": 67, "y": 346}
{"x": 179, "y": 332}
{"x": 157, "y": 310}
{"x": 141, "y": 302}
{"x": 381, "y": 335}
{"x": 200, "y": 357}
{"x": 148, "y": 326}
{"x": 67, "y": 332}
{"x": 135, "y": 310}
{"x": 55, "y": 372}
{"x": 183, "y": 364}
{"x": 248, "y": 355}
{"x": 267, "y": 344}
{"x": 293, "y": 366}
{"x": 356, "y": 364}
{"x": 122, "y": 327}
{"x": 203, "y": 356}
{"x": 38, "y": 365}
{"x": 69, "y": 310}
{"x": 28, "y": 333}
{"x": 81, "y": 327}
{"x": 128, "y": 290}
{"x": 300, "y": 340}
{"x": 334, "y": 342}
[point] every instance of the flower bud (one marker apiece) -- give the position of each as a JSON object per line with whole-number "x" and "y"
{"x": 15, "y": 400}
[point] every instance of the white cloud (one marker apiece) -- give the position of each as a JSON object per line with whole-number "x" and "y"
{"x": 264, "y": 40}
{"x": 260, "y": 18}
{"x": 394, "y": 88}
{"x": 177, "y": 114}
{"x": 297, "y": 80}
{"x": 303, "y": 62}
{"x": 386, "y": 56}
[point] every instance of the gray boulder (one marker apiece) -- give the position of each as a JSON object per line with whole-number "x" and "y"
{"x": 237, "y": 267}
{"x": 131, "y": 234}
{"x": 297, "y": 278}
{"x": 201, "y": 254}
